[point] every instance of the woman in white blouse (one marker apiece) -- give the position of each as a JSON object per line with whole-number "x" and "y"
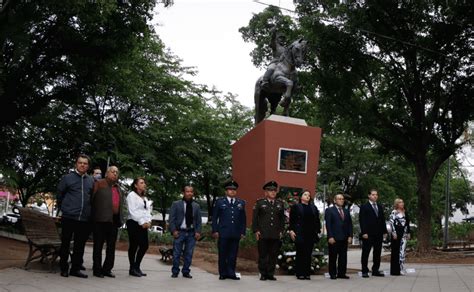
{"x": 139, "y": 220}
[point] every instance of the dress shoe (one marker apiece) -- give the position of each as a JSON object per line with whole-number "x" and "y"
{"x": 78, "y": 274}
{"x": 234, "y": 277}
{"x": 263, "y": 278}
{"x": 140, "y": 271}
{"x": 343, "y": 277}
{"x": 365, "y": 275}
{"x": 271, "y": 278}
{"x": 187, "y": 276}
{"x": 378, "y": 274}
{"x": 135, "y": 273}
{"x": 222, "y": 277}
{"x": 333, "y": 277}
{"x": 109, "y": 274}
{"x": 98, "y": 274}
{"x": 64, "y": 274}
{"x": 172, "y": 275}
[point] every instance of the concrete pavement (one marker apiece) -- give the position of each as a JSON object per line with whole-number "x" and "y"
{"x": 426, "y": 278}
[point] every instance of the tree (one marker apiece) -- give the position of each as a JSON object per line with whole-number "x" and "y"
{"x": 399, "y": 73}
{"x": 51, "y": 50}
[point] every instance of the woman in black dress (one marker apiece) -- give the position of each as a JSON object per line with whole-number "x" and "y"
{"x": 400, "y": 234}
{"x": 304, "y": 229}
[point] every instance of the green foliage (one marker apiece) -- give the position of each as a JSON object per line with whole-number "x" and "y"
{"x": 460, "y": 231}
{"x": 249, "y": 240}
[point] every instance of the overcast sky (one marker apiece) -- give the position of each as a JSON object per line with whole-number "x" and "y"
{"x": 204, "y": 34}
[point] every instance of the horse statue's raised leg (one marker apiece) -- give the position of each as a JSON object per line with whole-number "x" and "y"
{"x": 286, "y": 97}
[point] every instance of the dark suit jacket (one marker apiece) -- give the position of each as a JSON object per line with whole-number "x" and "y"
{"x": 335, "y": 226}
{"x": 101, "y": 202}
{"x": 297, "y": 219}
{"x": 370, "y": 223}
{"x": 229, "y": 220}
{"x": 177, "y": 216}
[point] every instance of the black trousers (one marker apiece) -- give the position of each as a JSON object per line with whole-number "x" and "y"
{"x": 304, "y": 251}
{"x": 138, "y": 243}
{"x": 228, "y": 249}
{"x": 338, "y": 252}
{"x": 104, "y": 232}
{"x": 395, "y": 256}
{"x": 79, "y": 232}
{"x": 367, "y": 245}
{"x": 267, "y": 255}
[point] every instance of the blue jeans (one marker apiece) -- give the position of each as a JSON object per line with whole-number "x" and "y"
{"x": 187, "y": 239}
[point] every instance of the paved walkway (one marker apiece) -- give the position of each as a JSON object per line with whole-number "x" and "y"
{"x": 429, "y": 278}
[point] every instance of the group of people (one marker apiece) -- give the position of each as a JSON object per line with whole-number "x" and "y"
{"x": 95, "y": 204}
{"x": 98, "y": 205}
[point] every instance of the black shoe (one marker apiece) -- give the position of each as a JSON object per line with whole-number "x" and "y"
{"x": 378, "y": 274}
{"x": 135, "y": 273}
{"x": 98, "y": 274}
{"x": 222, "y": 277}
{"x": 343, "y": 277}
{"x": 263, "y": 278}
{"x": 365, "y": 275}
{"x": 187, "y": 276}
{"x": 78, "y": 274}
{"x": 140, "y": 271}
{"x": 333, "y": 277}
{"x": 172, "y": 276}
{"x": 271, "y": 278}
{"x": 109, "y": 274}
{"x": 233, "y": 278}
{"x": 82, "y": 268}
{"x": 64, "y": 274}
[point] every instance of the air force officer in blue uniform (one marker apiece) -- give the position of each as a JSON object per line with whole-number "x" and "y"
{"x": 228, "y": 226}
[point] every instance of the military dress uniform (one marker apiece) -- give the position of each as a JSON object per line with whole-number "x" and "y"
{"x": 269, "y": 220}
{"x": 229, "y": 220}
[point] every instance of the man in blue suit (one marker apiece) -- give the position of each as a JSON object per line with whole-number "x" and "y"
{"x": 339, "y": 229}
{"x": 228, "y": 227}
{"x": 185, "y": 225}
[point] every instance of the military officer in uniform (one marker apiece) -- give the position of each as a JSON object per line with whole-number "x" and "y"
{"x": 228, "y": 227}
{"x": 268, "y": 225}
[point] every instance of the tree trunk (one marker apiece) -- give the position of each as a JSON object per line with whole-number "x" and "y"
{"x": 424, "y": 208}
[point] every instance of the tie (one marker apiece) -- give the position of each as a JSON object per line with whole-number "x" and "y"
{"x": 341, "y": 213}
{"x": 232, "y": 201}
{"x": 376, "y": 209}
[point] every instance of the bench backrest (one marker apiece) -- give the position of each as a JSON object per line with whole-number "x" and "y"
{"x": 38, "y": 226}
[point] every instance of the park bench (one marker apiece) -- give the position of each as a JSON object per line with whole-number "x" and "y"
{"x": 42, "y": 234}
{"x": 167, "y": 253}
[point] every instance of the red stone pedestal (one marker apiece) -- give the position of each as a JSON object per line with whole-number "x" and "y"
{"x": 256, "y": 160}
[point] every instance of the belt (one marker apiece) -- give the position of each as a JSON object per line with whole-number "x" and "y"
{"x": 186, "y": 229}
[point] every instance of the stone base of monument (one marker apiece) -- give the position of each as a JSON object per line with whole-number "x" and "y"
{"x": 279, "y": 148}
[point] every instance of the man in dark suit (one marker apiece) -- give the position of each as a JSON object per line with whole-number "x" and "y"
{"x": 373, "y": 228}
{"x": 339, "y": 229}
{"x": 185, "y": 224}
{"x": 228, "y": 227}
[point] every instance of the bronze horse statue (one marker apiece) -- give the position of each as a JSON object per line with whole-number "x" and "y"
{"x": 281, "y": 82}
